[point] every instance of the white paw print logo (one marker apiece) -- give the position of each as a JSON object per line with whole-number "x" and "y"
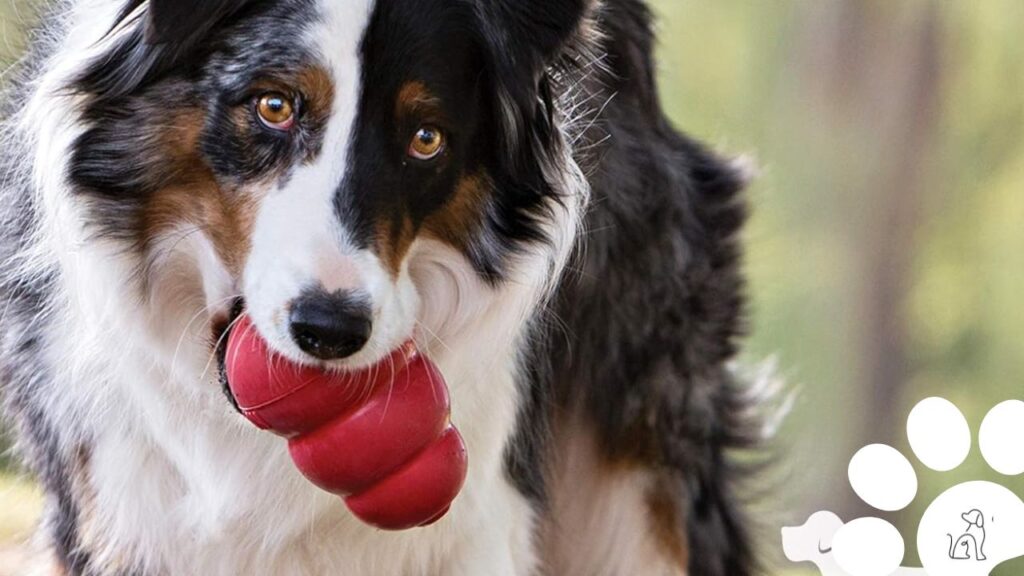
{"x": 967, "y": 531}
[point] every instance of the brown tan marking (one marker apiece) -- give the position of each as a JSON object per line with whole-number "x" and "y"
{"x": 455, "y": 223}
{"x": 193, "y": 197}
{"x": 393, "y": 240}
{"x": 601, "y": 520}
{"x": 317, "y": 87}
{"x": 227, "y": 222}
{"x": 461, "y": 217}
{"x": 667, "y": 521}
{"x": 415, "y": 100}
{"x": 456, "y": 220}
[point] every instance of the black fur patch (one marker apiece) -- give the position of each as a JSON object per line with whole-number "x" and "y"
{"x": 466, "y": 54}
{"x": 641, "y": 330}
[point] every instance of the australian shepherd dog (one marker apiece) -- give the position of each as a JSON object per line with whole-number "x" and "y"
{"x": 494, "y": 179}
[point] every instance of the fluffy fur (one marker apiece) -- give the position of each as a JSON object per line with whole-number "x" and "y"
{"x": 570, "y": 262}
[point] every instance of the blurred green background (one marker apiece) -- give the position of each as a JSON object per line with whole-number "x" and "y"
{"x": 886, "y": 251}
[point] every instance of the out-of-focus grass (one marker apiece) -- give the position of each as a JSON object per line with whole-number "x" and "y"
{"x": 20, "y": 499}
{"x": 20, "y": 505}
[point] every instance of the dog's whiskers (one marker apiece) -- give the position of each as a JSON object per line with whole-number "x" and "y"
{"x": 184, "y": 333}
{"x": 220, "y": 341}
{"x": 434, "y": 335}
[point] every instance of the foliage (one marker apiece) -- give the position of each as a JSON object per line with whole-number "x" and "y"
{"x": 732, "y": 75}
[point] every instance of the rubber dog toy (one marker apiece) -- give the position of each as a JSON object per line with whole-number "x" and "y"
{"x": 381, "y": 438}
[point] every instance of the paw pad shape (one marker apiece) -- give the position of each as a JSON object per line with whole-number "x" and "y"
{"x": 967, "y": 531}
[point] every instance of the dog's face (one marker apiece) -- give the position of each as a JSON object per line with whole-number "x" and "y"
{"x": 309, "y": 150}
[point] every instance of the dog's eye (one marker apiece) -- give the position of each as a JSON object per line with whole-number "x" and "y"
{"x": 276, "y": 111}
{"x": 427, "y": 144}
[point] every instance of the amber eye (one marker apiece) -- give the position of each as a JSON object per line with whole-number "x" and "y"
{"x": 427, "y": 143}
{"x": 276, "y": 111}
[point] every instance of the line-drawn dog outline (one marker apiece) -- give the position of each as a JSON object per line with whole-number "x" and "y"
{"x": 972, "y": 540}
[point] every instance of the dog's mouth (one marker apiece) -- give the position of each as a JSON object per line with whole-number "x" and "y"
{"x": 224, "y": 326}
{"x": 221, "y": 334}
{"x": 381, "y": 436}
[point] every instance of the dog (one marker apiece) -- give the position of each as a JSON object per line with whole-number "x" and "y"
{"x": 493, "y": 178}
{"x": 970, "y": 544}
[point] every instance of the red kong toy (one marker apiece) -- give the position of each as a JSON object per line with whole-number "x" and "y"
{"x": 381, "y": 438}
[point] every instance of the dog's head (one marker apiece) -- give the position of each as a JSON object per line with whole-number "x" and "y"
{"x": 303, "y": 153}
{"x": 974, "y": 518}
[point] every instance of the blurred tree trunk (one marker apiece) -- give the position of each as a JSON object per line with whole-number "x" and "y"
{"x": 875, "y": 68}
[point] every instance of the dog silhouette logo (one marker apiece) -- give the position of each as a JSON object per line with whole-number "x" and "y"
{"x": 971, "y": 544}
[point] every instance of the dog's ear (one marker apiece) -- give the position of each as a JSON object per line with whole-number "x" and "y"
{"x": 152, "y": 38}
{"x": 974, "y": 517}
{"x": 525, "y": 36}
{"x": 522, "y": 39}
{"x": 181, "y": 22}
{"x": 529, "y": 33}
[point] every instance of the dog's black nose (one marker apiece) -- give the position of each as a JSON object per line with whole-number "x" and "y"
{"x": 330, "y": 326}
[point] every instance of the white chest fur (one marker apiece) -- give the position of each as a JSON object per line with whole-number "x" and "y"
{"x": 183, "y": 485}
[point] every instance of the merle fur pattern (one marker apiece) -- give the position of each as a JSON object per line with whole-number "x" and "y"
{"x": 641, "y": 329}
{"x": 27, "y": 293}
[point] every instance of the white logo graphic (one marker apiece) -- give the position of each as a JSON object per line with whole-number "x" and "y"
{"x": 967, "y": 531}
{"x": 815, "y": 542}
